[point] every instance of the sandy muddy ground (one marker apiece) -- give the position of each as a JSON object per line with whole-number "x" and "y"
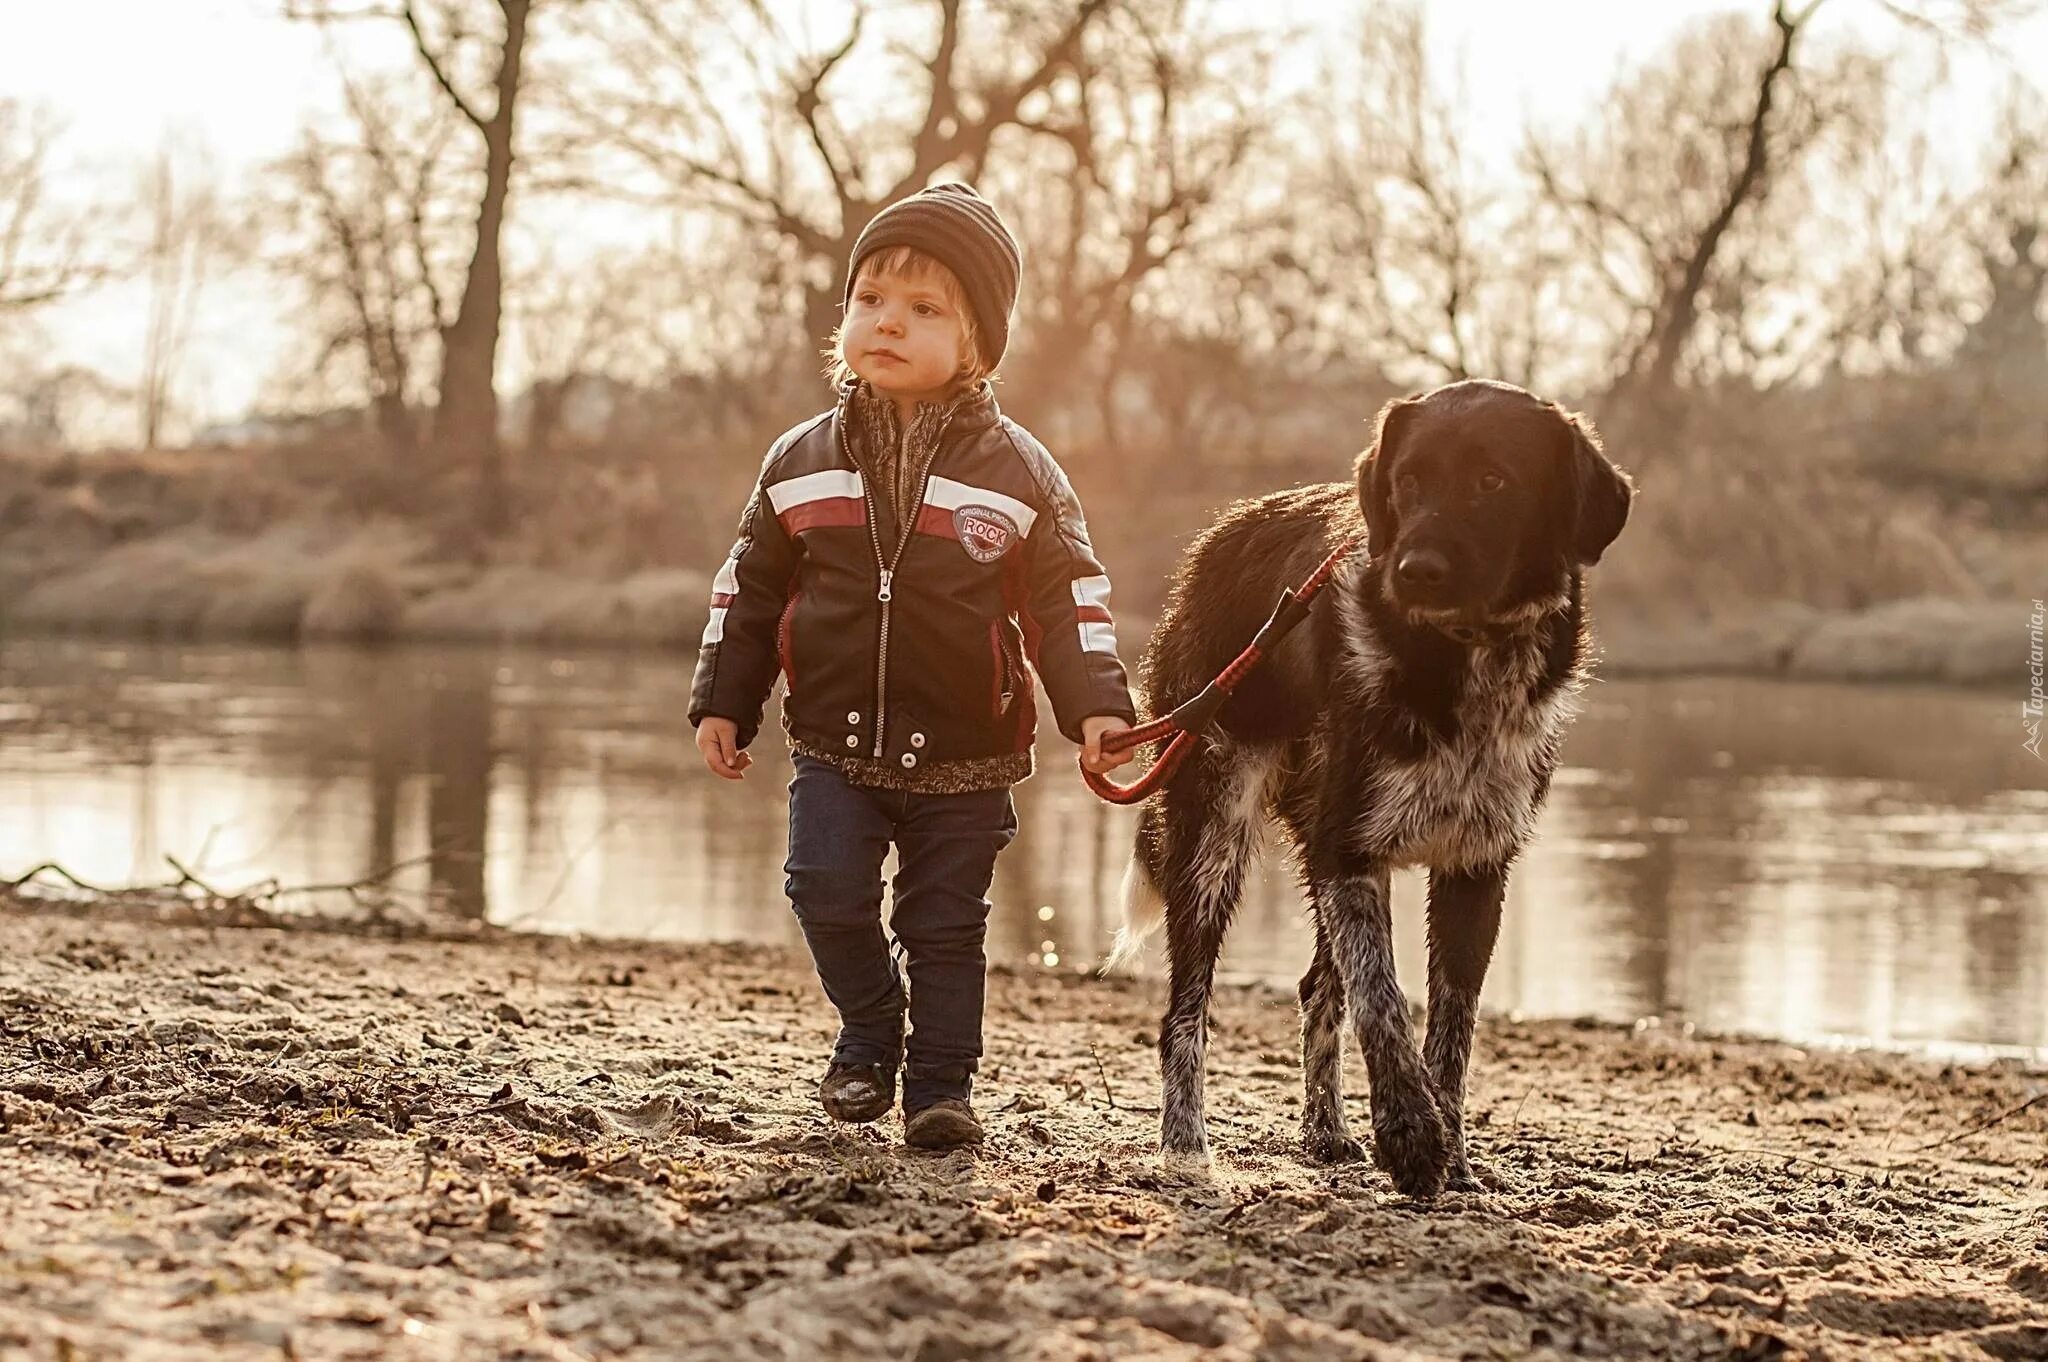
{"x": 255, "y": 1143}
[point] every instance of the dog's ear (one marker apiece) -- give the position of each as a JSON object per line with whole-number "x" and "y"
{"x": 1598, "y": 493}
{"x": 1375, "y": 473}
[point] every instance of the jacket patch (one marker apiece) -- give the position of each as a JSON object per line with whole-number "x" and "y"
{"x": 984, "y": 532}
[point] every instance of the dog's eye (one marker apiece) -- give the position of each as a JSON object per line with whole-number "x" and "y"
{"x": 1491, "y": 482}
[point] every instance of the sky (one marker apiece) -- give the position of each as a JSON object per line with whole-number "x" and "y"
{"x": 237, "y": 80}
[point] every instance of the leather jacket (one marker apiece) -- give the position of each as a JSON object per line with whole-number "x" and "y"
{"x": 914, "y": 651}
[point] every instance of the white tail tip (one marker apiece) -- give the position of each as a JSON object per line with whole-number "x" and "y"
{"x": 1144, "y": 912}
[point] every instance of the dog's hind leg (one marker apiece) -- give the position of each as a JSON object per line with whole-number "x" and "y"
{"x": 1207, "y": 830}
{"x": 1325, "y": 1136}
{"x": 1464, "y": 922}
{"x": 1409, "y": 1140}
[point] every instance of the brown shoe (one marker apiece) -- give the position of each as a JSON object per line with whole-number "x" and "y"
{"x": 946, "y": 1124}
{"x": 857, "y": 1092}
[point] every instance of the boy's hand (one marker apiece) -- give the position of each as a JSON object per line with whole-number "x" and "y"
{"x": 719, "y": 741}
{"x": 1093, "y": 731}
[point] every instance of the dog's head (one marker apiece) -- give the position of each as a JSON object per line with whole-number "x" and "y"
{"x": 1480, "y": 496}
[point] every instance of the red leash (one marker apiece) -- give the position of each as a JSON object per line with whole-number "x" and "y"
{"x": 1192, "y": 719}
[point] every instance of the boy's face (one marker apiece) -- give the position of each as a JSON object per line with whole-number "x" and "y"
{"x": 902, "y": 334}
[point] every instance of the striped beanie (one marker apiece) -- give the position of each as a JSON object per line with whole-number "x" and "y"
{"x": 962, "y": 231}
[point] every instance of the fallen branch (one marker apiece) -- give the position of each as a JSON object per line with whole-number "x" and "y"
{"x": 381, "y": 906}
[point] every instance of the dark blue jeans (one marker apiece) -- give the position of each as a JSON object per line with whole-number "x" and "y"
{"x": 946, "y": 849}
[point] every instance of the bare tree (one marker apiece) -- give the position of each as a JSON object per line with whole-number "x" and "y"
{"x": 372, "y": 232}
{"x": 449, "y": 37}
{"x": 569, "y": 320}
{"x": 1992, "y": 394}
{"x": 2009, "y": 336}
{"x": 1652, "y": 191}
{"x": 1685, "y": 201}
{"x": 46, "y": 248}
{"x": 1406, "y": 254}
{"x": 716, "y": 326}
{"x": 1141, "y": 165}
{"x": 1896, "y": 300}
{"x": 721, "y": 106}
{"x": 59, "y": 407}
{"x": 189, "y": 234}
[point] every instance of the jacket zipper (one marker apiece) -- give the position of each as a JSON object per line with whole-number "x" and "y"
{"x": 906, "y": 526}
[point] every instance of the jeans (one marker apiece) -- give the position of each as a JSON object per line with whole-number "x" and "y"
{"x": 946, "y": 848}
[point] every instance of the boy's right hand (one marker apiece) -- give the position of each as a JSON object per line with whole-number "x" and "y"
{"x": 719, "y": 741}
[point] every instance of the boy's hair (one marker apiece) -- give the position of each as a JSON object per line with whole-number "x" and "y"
{"x": 908, "y": 262}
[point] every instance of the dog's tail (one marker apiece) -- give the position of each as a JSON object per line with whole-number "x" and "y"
{"x": 1144, "y": 912}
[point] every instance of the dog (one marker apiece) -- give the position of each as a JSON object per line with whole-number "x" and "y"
{"x": 1413, "y": 720}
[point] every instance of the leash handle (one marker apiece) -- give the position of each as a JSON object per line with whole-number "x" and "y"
{"x": 1190, "y": 720}
{"x": 1141, "y": 789}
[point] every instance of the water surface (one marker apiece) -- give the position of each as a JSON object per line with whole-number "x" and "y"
{"x": 1802, "y": 860}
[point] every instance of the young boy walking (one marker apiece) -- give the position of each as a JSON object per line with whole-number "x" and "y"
{"x": 901, "y": 557}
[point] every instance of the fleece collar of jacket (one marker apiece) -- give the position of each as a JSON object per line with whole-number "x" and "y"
{"x": 972, "y": 410}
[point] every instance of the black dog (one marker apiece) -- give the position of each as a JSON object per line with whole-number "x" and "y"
{"x": 1414, "y": 719}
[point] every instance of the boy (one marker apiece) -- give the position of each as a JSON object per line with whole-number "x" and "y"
{"x": 901, "y": 556}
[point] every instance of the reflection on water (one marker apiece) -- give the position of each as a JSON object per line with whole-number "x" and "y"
{"x": 1789, "y": 860}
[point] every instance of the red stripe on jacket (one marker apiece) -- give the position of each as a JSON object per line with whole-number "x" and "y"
{"x": 827, "y": 512}
{"x": 934, "y": 520}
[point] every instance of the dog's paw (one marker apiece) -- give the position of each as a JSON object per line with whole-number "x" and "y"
{"x": 1324, "y": 1145}
{"x": 1466, "y": 1176}
{"x": 1411, "y": 1146}
{"x": 1184, "y": 1140}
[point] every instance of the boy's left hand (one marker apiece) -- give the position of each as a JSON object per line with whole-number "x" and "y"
{"x": 1093, "y": 731}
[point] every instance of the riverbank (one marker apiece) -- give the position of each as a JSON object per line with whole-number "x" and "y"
{"x": 379, "y": 584}
{"x": 231, "y": 1142}
{"x": 319, "y": 543}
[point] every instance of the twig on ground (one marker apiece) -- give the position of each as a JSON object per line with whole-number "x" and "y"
{"x": 1102, "y": 1070}
{"x": 1982, "y": 1125}
{"x": 51, "y": 867}
{"x": 1865, "y": 1172}
{"x": 1515, "y": 1124}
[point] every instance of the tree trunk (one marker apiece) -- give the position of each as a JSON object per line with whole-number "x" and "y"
{"x": 822, "y": 312}
{"x": 466, "y": 422}
{"x": 394, "y": 424}
{"x": 547, "y": 398}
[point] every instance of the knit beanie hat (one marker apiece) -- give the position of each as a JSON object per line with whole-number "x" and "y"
{"x": 962, "y": 231}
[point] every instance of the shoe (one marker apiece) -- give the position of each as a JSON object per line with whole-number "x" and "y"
{"x": 947, "y": 1123}
{"x": 857, "y": 1092}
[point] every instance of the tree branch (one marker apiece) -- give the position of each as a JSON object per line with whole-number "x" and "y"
{"x": 944, "y": 102}
{"x": 420, "y": 45}
{"x": 1681, "y": 304}
{"x": 934, "y": 148}
{"x": 809, "y": 109}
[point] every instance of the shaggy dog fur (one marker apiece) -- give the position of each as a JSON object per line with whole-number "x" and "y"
{"x": 1414, "y": 720}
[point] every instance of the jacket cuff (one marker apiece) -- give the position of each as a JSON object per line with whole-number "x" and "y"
{"x": 1070, "y": 729}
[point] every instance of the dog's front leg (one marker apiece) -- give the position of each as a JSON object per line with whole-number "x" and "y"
{"x": 1464, "y": 921}
{"x": 1409, "y": 1140}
